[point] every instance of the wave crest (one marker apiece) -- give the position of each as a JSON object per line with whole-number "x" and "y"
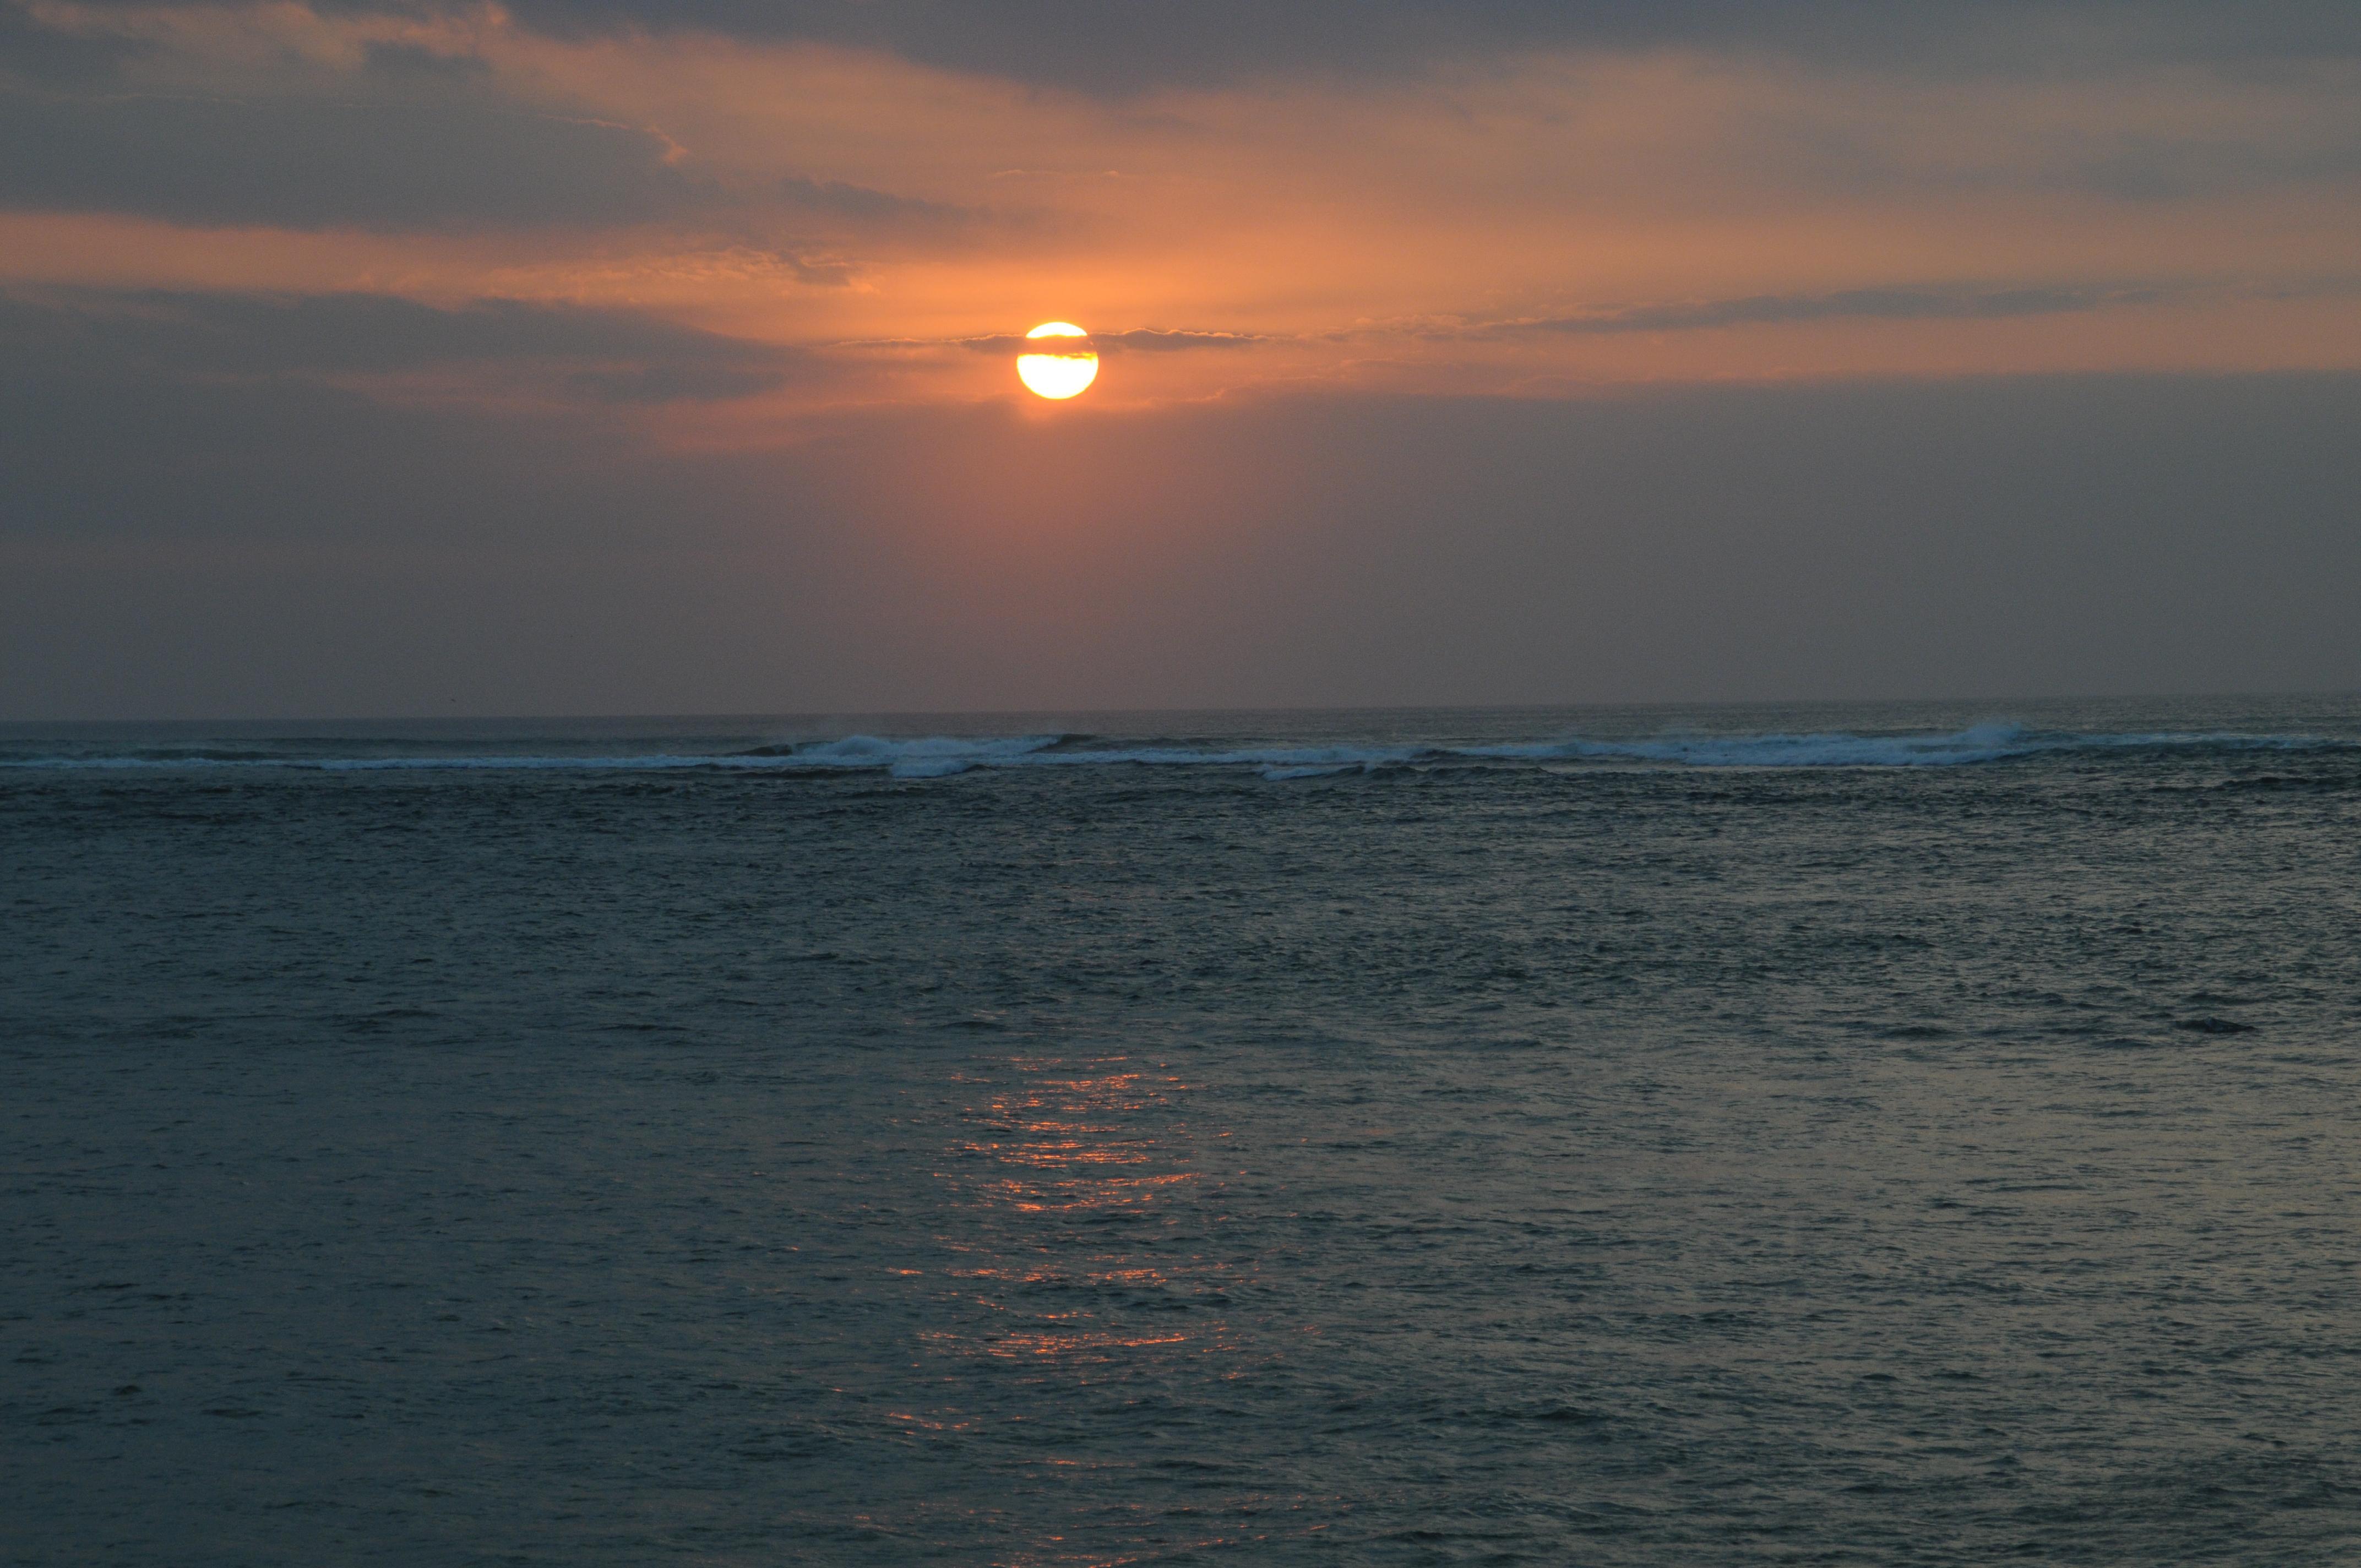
{"x": 942, "y": 756}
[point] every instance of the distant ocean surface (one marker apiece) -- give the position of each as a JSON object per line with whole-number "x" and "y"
{"x": 1876, "y": 1134}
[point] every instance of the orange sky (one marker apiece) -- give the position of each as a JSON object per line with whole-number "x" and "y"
{"x": 1542, "y": 223}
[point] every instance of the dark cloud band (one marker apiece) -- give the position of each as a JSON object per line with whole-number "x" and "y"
{"x": 309, "y": 162}
{"x": 601, "y": 356}
{"x": 1143, "y": 44}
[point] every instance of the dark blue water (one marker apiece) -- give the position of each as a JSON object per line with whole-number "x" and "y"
{"x": 1894, "y": 1136}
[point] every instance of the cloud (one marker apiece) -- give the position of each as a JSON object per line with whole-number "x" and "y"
{"x": 1922, "y": 303}
{"x": 312, "y": 163}
{"x": 600, "y": 356}
{"x": 284, "y": 117}
{"x": 1094, "y": 47}
{"x": 2150, "y": 168}
{"x": 870, "y": 207}
{"x": 1132, "y": 48}
{"x": 1156, "y": 340}
{"x": 30, "y": 53}
{"x": 1865, "y": 304}
{"x": 1137, "y": 340}
{"x": 1602, "y": 209}
{"x": 2162, "y": 138}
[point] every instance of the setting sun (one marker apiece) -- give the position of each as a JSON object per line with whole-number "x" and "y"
{"x": 1059, "y": 375}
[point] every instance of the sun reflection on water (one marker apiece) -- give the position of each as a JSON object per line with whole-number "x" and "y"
{"x": 1088, "y": 1308}
{"x": 1087, "y": 1220}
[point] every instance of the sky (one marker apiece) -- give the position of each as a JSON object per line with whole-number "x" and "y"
{"x": 388, "y": 357}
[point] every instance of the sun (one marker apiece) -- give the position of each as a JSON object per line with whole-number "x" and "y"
{"x": 1063, "y": 374}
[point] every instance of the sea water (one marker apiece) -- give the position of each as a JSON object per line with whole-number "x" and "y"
{"x": 1879, "y": 1134}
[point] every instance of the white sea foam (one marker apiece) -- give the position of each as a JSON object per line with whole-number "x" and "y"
{"x": 926, "y": 757}
{"x": 1979, "y": 743}
{"x": 942, "y": 756}
{"x": 1275, "y": 772}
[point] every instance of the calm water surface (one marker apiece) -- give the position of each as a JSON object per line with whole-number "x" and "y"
{"x": 1894, "y": 1136}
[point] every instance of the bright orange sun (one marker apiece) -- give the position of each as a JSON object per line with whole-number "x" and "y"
{"x": 1059, "y": 375}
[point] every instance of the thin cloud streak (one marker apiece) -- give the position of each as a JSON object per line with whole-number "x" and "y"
{"x": 1895, "y": 304}
{"x": 1137, "y": 340}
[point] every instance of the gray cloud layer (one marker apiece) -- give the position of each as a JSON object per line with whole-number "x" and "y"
{"x": 29, "y": 51}
{"x": 143, "y": 341}
{"x": 439, "y": 162}
{"x": 1122, "y": 48}
{"x": 410, "y": 142}
{"x": 168, "y": 545}
{"x": 1095, "y": 46}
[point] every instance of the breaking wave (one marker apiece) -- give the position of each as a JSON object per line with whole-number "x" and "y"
{"x": 941, "y": 756}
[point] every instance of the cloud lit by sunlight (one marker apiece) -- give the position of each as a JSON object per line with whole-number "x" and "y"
{"x": 1557, "y": 217}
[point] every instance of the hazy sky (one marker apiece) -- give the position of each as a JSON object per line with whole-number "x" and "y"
{"x": 610, "y": 356}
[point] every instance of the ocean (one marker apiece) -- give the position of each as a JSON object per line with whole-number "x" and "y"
{"x": 1852, "y": 1134}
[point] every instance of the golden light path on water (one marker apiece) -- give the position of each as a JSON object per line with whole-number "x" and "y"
{"x": 1090, "y": 1229}
{"x": 1064, "y": 374}
{"x": 1083, "y": 1142}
